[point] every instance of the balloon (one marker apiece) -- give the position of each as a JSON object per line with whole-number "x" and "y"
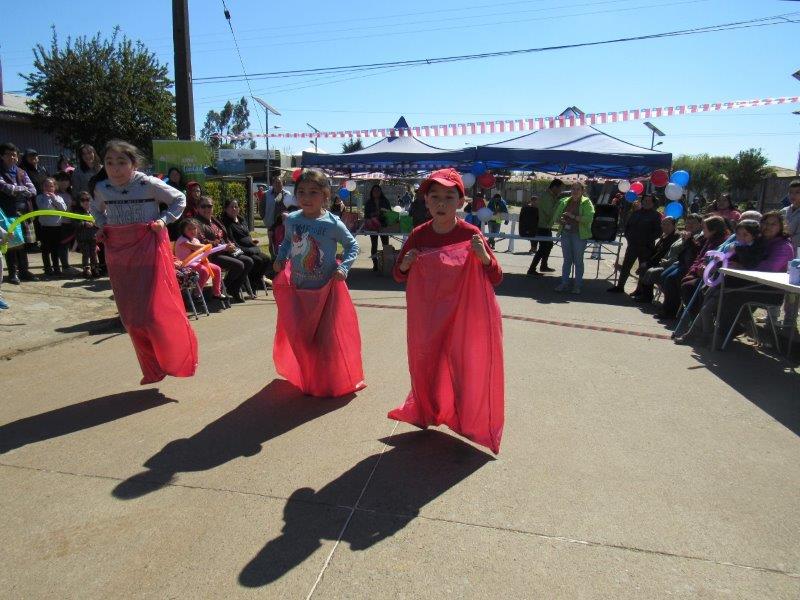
{"x": 43, "y": 213}
{"x": 478, "y": 168}
{"x": 343, "y": 193}
{"x": 197, "y": 254}
{"x": 350, "y": 185}
{"x": 659, "y": 178}
{"x": 674, "y": 210}
{"x": 637, "y": 187}
{"x": 468, "y": 179}
{"x": 296, "y": 174}
{"x": 630, "y": 196}
{"x": 716, "y": 261}
{"x": 397, "y": 209}
{"x": 484, "y": 214}
{"x": 624, "y": 185}
{"x": 673, "y": 191}
{"x": 680, "y": 178}
{"x": 486, "y": 181}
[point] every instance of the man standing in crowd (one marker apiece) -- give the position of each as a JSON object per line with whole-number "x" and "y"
{"x": 275, "y": 201}
{"x": 547, "y": 207}
{"x": 641, "y": 232}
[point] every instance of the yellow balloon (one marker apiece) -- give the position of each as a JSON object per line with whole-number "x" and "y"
{"x": 42, "y": 213}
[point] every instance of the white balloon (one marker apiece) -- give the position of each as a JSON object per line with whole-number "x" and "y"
{"x": 468, "y": 179}
{"x": 624, "y": 185}
{"x": 350, "y": 185}
{"x": 484, "y": 214}
{"x": 673, "y": 191}
{"x": 397, "y": 209}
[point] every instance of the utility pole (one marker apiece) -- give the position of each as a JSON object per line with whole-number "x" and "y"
{"x": 184, "y": 102}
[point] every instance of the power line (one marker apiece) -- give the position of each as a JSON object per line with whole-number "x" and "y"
{"x": 241, "y": 60}
{"x": 343, "y": 69}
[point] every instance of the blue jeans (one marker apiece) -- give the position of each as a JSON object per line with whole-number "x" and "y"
{"x": 572, "y": 246}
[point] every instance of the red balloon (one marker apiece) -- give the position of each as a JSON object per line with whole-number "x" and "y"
{"x": 486, "y": 181}
{"x": 296, "y": 174}
{"x": 637, "y": 187}
{"x": 659, "y": 178}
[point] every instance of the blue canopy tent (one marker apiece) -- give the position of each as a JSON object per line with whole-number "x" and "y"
{"x": 392, "y": 155}
{"x": 581, "y": 150}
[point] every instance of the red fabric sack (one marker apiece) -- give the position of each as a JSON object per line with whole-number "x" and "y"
{"x": 455, "y": 347}
{"x": 317, "y": 340}
{"x": 149, "y": 300}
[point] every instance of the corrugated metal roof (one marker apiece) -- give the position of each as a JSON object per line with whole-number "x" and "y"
{"x": 12, "y": 103}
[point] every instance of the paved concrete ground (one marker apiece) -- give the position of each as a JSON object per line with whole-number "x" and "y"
{"x": 630, "y": 467}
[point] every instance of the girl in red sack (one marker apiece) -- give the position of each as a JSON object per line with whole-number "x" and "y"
{"x": 455, "y": 336}
{"x": 126, "y": 208}
{"x": 317, "y": 340}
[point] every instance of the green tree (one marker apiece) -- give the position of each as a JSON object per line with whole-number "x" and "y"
{"x": 92, "y": 90}
{"x": 352, "y": 145}
{"x": 747, "y": 169}
{"x": 706, "y": 173}
{"x": 233, "y": 119}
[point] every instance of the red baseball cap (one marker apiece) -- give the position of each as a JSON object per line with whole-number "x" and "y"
{"x": 445, "y": 177}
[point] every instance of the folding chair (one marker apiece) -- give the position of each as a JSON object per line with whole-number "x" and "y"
{"x": 750, "y": 307}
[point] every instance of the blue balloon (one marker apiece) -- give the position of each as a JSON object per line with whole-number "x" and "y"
{"x": 478, "y": 169}
{"x": 343, "y": 193}
{"x": 631, "y": 196}
{"x": 680, "y": 178}
{"x": 674, "y": 210}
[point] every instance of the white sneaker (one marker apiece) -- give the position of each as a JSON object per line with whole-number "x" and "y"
{"x": 561, "y": 287}
{"x": 576, "y": 289}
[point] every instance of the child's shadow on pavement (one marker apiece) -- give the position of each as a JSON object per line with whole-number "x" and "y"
{"x": 275, "y": 410}
{"x": 421, "y": 466}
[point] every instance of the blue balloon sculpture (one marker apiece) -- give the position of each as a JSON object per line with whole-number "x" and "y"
{"x": 680, "y": 178}
{"x": 631, "y": 196}
{"x": 478, "y": 169}
{"x": 674, "y": 210}
{"x": 343, "y": 193}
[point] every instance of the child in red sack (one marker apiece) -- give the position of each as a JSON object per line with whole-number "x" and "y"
{"x": 126, "y": 208}
{"x": 317, "y": 339}
{"x": 455, "y": 338}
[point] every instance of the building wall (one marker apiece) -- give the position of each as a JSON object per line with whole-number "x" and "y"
{"x": 23, "y": 135}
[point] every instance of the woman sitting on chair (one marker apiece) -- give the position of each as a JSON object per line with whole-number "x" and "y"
{"x": 239, "y": 234}
{"x": 233, "y": 261}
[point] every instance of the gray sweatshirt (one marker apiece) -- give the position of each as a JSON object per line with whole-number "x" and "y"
{"x": 136, "y": 202}
{"x": 55, "y": 202}
{"x": 792, "y": 216}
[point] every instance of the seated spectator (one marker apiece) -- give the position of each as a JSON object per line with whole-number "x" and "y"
{"x": 239, "y": 233}
{"x": 644, "y": 291}
{"x": 185, "y": 245}
{"x": 176, "y": 179}
{"x": 715, "y": 230}
{"x": 769, "y": 252}
{"x": 529, "y": 221}
{"x": 233, "y": 261}
{"x": 642, "y": 230}
{"x": 724, "y": 208}
{"x": 670, "y": 281}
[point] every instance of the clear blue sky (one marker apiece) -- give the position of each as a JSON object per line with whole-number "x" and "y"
{"x": 734, "y": 65}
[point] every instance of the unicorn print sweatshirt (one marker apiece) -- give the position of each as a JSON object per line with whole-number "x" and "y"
{"x": 310, "y": 245}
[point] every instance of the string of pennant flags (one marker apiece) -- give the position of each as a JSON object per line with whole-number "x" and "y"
{"x": 529, "y": 124}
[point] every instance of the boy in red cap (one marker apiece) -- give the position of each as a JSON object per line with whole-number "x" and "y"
{"x": 455, "y": 345}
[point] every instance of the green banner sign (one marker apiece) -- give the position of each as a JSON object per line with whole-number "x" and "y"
{"x": 188, "y": 156}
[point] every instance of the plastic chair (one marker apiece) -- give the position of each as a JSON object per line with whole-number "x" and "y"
{"x": 750, "y": 307}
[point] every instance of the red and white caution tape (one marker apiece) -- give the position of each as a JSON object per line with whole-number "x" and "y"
{"x": 531, "y": 124}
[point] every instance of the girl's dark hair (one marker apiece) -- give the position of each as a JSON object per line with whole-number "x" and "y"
{"x": 694, "y": 217}
{"x": 383, "y": 196}
{"x": 101, "y": 175}
{"x": 180, "y": 173}
{"x": 62, "y": 176}
{"x": 84, "y": 196}
{"x": 187, "y": 222}
{"x": 81, "y": 163}
{"x": 716, "y": 225}
{"x": 228, "y": 202}
{"x": 750, "y": 226}
{"x": 9, "y": 147}
{"x": 555, "y": 183}
{"x": 129, "y": 150}
{"x": 778, "y": 215}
